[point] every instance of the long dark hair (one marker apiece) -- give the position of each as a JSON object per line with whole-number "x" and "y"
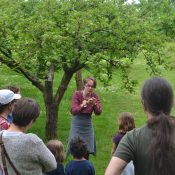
{"x": 157, "y": 97}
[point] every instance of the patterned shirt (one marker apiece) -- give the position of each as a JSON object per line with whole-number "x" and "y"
{"x": 4, "y": 124}
{"x": 77, "y": 100}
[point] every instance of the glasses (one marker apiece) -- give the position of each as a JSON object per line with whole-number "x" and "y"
{"x": 89, "y": 86}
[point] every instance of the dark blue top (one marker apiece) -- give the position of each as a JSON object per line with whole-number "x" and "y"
{"x": 82, "y": 167}
{"x": 116, "y": 139}
{"x": 58, "y": 171}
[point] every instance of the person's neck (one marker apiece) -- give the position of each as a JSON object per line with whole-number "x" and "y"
{"x": 149, "y": 115}
{"x": 13, "y": 127}
{"x": 79, "y": 159}
{"x": 86, "y": 94}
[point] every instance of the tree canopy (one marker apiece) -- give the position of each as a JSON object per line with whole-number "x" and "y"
{"x": 39, "y": 38}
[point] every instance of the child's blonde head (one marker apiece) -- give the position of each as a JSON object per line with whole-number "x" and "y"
{"x": 126, "y": 122}
{"x": 57, "y": 149}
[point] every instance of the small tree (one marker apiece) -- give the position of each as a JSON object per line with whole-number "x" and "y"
{"x": 40, "y": 38}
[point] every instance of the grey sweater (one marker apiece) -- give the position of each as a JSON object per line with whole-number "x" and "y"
{"x": 28, "y": 153}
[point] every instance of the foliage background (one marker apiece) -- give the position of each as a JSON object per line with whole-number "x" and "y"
{"x": 114, "y": 100}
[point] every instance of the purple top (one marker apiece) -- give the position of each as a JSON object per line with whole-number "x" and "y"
{"x": 116, "y": 139}
{"x": 77, "y": 100}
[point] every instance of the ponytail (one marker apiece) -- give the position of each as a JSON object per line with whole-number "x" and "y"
{"x": 161, "y": 147}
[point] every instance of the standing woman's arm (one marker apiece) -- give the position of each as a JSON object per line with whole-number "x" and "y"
{"x": 76, "y": 103}
{"x": 97, "y": 105}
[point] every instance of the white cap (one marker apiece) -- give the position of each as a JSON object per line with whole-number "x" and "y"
{"x": 6, "y": 96}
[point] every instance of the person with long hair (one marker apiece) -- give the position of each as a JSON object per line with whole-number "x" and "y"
{"x": 57, "y": 149}
{"x": 125, "y": 123}
{"x": 151, "y": 147}
{"x": 84, "y": 103}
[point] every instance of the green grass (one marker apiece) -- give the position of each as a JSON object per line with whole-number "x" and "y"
{"x": 114, "y": 101}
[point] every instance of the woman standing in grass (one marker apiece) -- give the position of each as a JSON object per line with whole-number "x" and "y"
{"x": 84, "y": 103}
{"x": 151, "y": 147}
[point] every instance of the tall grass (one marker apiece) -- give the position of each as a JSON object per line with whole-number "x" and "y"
{"x": 114, "y": 100}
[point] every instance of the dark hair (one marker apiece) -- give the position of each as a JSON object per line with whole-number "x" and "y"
{"x": 126, "y": 122}
{"x": 157, "y": 97}
{"x": 90, "y": 78}
{"x": 78, "y": 148}
{"x": 3, "y": 107}
{"x": 57, "y": 149}
{"x": 25, "y": 110}
{"x": 15, "y": 89}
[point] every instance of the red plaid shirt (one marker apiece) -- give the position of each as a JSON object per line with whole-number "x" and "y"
{"x": 4, "y": 125}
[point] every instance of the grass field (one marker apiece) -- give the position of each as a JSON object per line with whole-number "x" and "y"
{"x": 114, "y": 101}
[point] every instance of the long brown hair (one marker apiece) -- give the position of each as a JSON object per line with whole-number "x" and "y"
{"x": 57, "y": 149}
{"x": 157, "y": 97}
{"x": 126, "y": 122}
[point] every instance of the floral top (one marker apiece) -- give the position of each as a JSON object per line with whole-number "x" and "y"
{"x": 77, "y": 100}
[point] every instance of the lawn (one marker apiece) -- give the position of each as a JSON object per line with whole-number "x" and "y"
{"x": 114, "y": 100}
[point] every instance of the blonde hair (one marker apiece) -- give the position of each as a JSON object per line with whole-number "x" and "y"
{"x": 57, "y": 149}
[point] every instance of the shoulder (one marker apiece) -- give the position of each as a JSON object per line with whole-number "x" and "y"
{"x": 136, "y": 132}
{"x": 137, "y": 136}
{"x": 116, "y": 139}
{"x": 33, "y": 138}
{"x": 77, "y": 94}
{"x": 69, "y": 164}
{"x": 89, "y": 163}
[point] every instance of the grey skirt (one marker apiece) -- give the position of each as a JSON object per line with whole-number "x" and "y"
{"x": 81, "y": 126}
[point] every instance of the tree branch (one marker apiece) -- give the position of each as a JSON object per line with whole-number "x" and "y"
{"x": 15, "y": 66}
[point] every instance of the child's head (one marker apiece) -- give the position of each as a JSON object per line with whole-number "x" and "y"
{"x": 57, "y": 149}
{"x": 126, "y": 122}
{"x": 78, "y": 148}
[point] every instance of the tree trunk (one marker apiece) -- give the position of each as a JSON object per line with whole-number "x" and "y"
{"x": 79, "y": 81}
{"x": 52, "y": 104}
{"x": 51, "y": 111}
{"x": 51, "y": 120}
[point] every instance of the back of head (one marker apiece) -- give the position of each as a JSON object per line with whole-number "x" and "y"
{"x": 126, "y": 122}
{"x": 25, "y": 110}
{"x": 157, "y": 98}
{"x": 57, "y": 149}
{"x": 78, "y": 148}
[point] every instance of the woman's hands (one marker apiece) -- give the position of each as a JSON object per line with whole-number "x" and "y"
{"x": 89, "y": 101}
